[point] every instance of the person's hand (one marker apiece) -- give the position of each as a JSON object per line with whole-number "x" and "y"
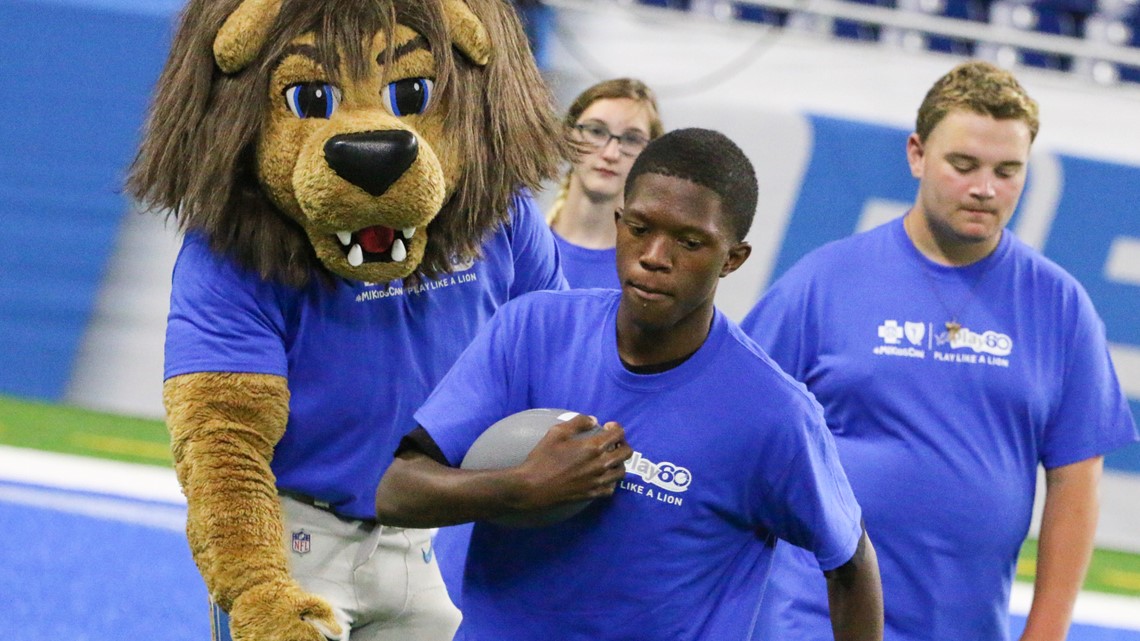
{"x": 283, "y": 612}
{"x": 571, "y": 464}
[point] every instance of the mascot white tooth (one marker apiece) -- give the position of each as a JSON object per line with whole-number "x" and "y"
{"x": 351, "y": 177}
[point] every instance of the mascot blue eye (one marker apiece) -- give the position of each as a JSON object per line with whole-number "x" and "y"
{"x": 312, "y": 99}
{"x": 407, "y": 97}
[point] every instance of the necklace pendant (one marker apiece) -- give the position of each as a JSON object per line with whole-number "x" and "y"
{"x": 952, "y": 327}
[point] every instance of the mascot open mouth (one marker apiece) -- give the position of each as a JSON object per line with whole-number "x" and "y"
{"x": 377, "y": 244}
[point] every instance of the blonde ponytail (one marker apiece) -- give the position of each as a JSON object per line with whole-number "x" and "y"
{"x": 555, "y": 210}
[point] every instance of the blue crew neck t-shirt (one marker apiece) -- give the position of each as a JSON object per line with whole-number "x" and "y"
{"x": 729, "y": 454}
{"x": 940, "y": 434}
{"x": 359, "y": 357}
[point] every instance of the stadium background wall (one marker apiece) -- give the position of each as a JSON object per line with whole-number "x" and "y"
{"x": 86, "y": 278}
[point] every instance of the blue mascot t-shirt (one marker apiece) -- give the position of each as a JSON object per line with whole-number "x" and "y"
{"x": 359, "y": 357}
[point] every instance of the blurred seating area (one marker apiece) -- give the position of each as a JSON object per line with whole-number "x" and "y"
{"x": 1096, "y": 39}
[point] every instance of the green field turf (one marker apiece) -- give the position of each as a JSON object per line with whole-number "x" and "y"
{"x": 70, "y": 430}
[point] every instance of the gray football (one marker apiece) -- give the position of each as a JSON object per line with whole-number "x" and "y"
{"x": 507, "y": 444}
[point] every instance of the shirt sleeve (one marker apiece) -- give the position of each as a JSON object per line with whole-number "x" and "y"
{"x": 221, "y": 319}
{"x": 1092, "y": 417}
{"x": 476, "y": 391}
{"x": 418, "y": 440}
{"x": 538, "y": 265}
{"x": 810, "y": 503}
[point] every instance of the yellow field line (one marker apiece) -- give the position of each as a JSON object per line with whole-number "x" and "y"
{"x": 123, "y": 446}
{"x": 1027, "y": 567}
{"x": 1122, "y": 579}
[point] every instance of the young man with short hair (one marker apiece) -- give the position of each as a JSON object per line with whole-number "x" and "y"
{"x": 709, "y": 453}
{"x": 951, "y": 360}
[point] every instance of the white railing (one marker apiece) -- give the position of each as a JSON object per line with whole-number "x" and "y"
{"x": 979, "y": 32}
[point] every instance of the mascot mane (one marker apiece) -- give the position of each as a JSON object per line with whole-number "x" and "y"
{"x": 199, "y": 157}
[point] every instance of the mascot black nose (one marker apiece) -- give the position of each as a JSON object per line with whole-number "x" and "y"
{"x": 372, "y": 160}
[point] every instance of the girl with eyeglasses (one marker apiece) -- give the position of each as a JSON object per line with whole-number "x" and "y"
{"x": 612, "y": 122}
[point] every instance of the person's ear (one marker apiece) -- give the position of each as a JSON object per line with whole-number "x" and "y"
{"x": 915, "y": 154}
{"x": 737, "y": 254}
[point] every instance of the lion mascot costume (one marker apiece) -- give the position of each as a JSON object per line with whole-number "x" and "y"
{"x": 352, "y": 178}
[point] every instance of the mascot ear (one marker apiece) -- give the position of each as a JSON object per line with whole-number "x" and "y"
{"x": 466, "y": 31}
{"x": 244, "y": 34}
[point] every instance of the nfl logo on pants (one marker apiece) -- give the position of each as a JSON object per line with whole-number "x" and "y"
{"x": 302, "y": 542}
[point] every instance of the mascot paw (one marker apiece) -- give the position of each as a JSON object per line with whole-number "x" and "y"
{"x": 283, "y": 612}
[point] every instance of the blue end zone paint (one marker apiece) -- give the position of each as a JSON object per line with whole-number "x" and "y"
{"x": 77, "y": 80}
{"x": 77, "y": 577}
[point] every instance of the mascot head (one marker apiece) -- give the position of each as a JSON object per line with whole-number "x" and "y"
{"x": 371, "y": 139}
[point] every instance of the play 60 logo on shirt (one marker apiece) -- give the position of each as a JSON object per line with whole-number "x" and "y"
{"x": 985, "y": 347}
{"x": 662, "y": 481}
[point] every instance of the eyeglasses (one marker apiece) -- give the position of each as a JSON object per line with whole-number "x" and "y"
{"x": 597, "y": 135}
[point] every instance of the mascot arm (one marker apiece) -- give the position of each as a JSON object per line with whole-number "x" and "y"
{"x": 223, "y": 429}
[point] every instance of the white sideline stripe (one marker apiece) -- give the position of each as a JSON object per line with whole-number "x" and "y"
{"x": 1093, "y": 608}
{"x": 130, "y": 480}
{"x": 1123, "y": 264}
{"x": 172, "y": 518}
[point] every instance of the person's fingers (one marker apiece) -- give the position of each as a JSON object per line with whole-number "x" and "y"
{"x": 614, "y": 474}
{"x": 611, "y": 437}
{"x": 605, "y": 489}
{"x": 615, "y": 456}
{"x": 577, "y": 425}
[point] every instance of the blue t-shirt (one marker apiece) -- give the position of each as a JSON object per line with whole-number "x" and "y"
{"x": 586, "y": 268}
{"x": 940, "y": 437}
{"x": 729, "y": 453}
{"x": 359, "y": 357}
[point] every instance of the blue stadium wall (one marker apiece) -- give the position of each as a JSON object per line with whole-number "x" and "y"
{"x": 77, "y": 77}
